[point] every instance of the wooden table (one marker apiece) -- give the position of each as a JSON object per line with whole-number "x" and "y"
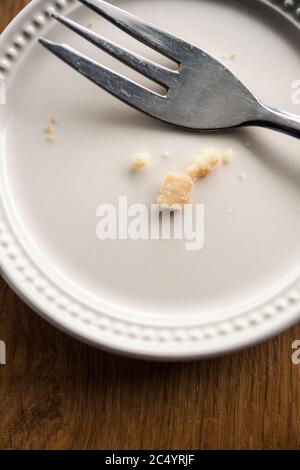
{"x": 56, "y": 393}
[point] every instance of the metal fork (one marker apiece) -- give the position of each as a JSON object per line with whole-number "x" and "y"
{"x": 202, "y": 94}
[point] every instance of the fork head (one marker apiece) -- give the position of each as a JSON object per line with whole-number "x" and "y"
{"x": 202, "y": 94}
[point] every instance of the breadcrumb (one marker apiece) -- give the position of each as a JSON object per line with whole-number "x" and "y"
{"x": 230, "y": 56}
{"x": 175, "y": 191}
{"x": 203, "y": 164}
{"x": 140, "y": 162}
{"x": 228, "y": 156}
{"x": 242, "y": 176}
{"x": 48, "y": 129}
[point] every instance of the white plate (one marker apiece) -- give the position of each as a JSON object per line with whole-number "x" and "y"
{"x": 150, "y": 298}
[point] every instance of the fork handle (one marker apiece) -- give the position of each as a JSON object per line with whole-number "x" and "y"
{"x": 280, "y": 121}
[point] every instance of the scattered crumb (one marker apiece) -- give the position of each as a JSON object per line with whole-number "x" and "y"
{"x": 238, "y": 224}
{"x": 48, "y": 129}
{"x": 140, "y": 162}
{"x": 242, "y": 176}
{"x": 214, "y": 160}
{"x": 204, "y": 164}
{"x": 228, "y": 156}
{"x": 90, "y": 25}
{"x": 247, "y": 144}
{"x": 166, "y": 153}
{"x": 231, "y": 56}
{"x": 230, "y": 211}
{"x": 176, "y": 190}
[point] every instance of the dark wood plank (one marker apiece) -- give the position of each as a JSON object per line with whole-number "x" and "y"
{"x": 56, "y": 393}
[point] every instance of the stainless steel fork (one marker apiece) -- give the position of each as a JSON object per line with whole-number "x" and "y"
{"x": 202, "y": 94}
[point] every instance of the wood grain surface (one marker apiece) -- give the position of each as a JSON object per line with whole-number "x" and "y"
{"x": 56, "y": 393}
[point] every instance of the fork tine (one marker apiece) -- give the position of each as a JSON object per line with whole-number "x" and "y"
{"x": 126, "y": 90}
{"x": 161, "y": 41}
{"x": 159, "y": 74}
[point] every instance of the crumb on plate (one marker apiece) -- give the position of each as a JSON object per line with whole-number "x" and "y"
{"x": 242, "y": 176}
{"x": 48, "y": 129}
{"x": 175, "y": 191}
{"x": 228, "y": 156}
{"x": 140, "y": 162}
{"x": 203, "y": 164}
{"x": 231, "y": 56}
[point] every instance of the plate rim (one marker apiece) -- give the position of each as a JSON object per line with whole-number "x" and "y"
{"x": 128, "y": 338}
